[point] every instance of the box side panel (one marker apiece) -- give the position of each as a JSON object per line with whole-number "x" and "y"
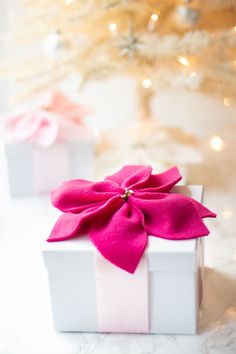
{"x": 73, "y": 299}
{"x": 37, "y": 170}
{"x": 82, "y": 158}
{"x": 173, "y": 302}
{"x": 200, "y": 269}
{"x": 51, "y": 167}
{"x": 20, "y": 169}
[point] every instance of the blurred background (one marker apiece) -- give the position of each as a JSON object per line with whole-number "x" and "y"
{"x": 157, "y": 78}
{"x": 86, "y": 87}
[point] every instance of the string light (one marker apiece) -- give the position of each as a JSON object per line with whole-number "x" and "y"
{"x": 216, "y": 143}
{"x": 152, "y": 22}
{"x": 154, "y": 17}
{"x": 68, "y": 2}
{"x": 97, "y": 134}
{"x": 147, "y": 83}
{"x": 183, "y": 60}
{"x": 227, "y": 101}
{"x": 113, "y": 29}
{"x": 227, "y": 213}
{"x": 172, "y": 40}
{"x": 113, "y": 26}
{"x": 53, "y": 43}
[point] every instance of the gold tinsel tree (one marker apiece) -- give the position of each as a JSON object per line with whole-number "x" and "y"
{"x": 190, "y": 44}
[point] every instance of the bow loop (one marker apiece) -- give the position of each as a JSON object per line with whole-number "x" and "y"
{"x": 131, "y": 176}
{"x": 55, "y": 118}
{"x": 77, "y": 195}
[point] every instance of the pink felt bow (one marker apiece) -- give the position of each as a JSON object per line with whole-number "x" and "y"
{"x": 120, "y": 212}
{"x": 56, "y": 118}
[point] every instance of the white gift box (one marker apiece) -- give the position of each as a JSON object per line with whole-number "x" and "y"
{"x": 88, "y": 293}
{"x": 39, "y": 170}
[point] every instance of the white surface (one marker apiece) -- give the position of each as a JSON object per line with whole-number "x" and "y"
{"x": 26, "y": 323}
{"x": 25, "y": 319}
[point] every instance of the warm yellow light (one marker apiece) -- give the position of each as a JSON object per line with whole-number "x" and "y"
{"x": 193, "y": 74}
{"x": 147, "y": 83}
{"x": 227, "y": 213}
{"x": 234, "y": 28}
{"x": 113, "y": 27}
{"x": 151, "y": 26}
{"x": 216, "y": 143}
{"x": 154, "y": 17}
{"x": 183, "y": 61}
{"x": 68, "y": 2}
{"x": 96, "y": 132}
{"x": 227, "y": 101}
{"x": 234, "y": 63}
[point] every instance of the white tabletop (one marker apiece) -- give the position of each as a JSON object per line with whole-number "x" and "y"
{"x": 25, "y": 314}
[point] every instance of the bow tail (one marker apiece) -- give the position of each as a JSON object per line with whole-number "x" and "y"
{"x": 68, "y": 226}
{"x": 121, "y": 238}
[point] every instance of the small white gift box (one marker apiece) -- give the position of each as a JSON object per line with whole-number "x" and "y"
{"x": 32, "y": 169}
{"x": 88, "y": 293}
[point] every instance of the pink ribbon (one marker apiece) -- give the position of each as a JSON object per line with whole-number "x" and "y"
{"x": 120, "y": 212}
{"x": 56, "y": 118}
{"x": 121, "y": 297}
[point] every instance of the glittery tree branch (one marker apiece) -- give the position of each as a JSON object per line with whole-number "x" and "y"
{"x": 189, "y": 44}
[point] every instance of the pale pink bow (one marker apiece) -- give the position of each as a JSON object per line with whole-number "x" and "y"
{"x": 55, "y": 119}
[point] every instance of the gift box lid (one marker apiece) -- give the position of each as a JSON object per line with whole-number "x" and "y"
{"x": 162, "y": 254}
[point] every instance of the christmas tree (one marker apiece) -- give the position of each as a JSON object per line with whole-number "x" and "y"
{"x": 162, "y": 44}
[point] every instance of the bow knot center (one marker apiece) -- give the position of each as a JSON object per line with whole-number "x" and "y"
{"x": 127, "y": 193}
